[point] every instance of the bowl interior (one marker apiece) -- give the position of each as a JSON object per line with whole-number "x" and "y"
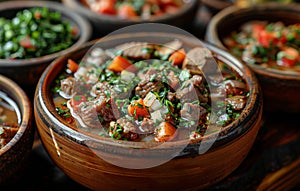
{"x": 57, "y": 66}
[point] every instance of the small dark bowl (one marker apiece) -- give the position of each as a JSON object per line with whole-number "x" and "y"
{"x": 26, "y": 72}
{"x": 14, "y": 154}
{"x": 104, "y": 24}
{"x": 77, "y": 152}
{"x": 281, "y": 90}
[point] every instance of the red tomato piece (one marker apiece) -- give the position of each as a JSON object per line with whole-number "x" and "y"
{"x": 126, "y": 11}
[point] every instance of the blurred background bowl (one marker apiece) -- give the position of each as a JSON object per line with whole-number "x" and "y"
{"x": 79, "y": 153}
{"x": 26, "y": 72}
{"x": 104, "y": 24}
{"x": 14, "y": 154}
{"x": 281, "y": 90}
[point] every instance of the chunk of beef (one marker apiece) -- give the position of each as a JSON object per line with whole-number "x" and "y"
{"x": 102, "y": 89}
{"x": 192, "y": 90}
{"x": 196, "y": 59}
{"x": 234, "y": 87}
{"x": 147, "y": 126}
{"x": 95, "y": 114}
{"x": 192, "y": 112}
{"x": 123, "y": 129}
{"x": 237, "y": 102}
{"x": 6, "y": 134}
{"x": 67, "y": 87}
{"x": 169, "y": 48}
{"x": 148, "y": 83}
{"x": 135, "y": 50}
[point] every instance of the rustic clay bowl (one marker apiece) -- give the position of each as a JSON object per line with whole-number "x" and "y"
{"x": 26, "y": 72}
{"x": 281, "y": 90}
{"x": 77, "y": 152}
{"x": 217, "y": 5}
{"x": 13, "y": 155}
{"x": 104, "y": 24}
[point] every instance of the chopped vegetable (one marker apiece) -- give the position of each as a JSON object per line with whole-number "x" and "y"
{"x": 119, "y": 64}
{"x": 165, "y": 132}
{"x": 72, "y": 65}
{"x": 177, "y": 57}
{"x": 138, "y": 110}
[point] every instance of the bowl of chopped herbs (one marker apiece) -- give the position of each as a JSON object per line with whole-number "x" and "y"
{"x": 34, "y": 33}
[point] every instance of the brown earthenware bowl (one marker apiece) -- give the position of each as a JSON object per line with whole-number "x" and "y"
{"x": 13, "y": 155}
{"x": 26, "y": 72}
{"x": 83, "y": 156}
{"x": 104, "y": 24}
{"x": 281, "y": 90}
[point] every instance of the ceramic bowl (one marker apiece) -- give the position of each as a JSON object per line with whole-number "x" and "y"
{"x": 14, "y": 154}
{"x": 281, "y": 90}
{"x": 104, "y": 24}
{"x": 77, "y": 152}
{"x": 26, "y": 72}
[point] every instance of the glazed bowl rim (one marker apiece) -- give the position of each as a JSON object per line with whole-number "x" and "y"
{"x": 212, "y": 33}
{"x": 42, "y": 97}
{"x": 24, "y": 106}
{"x": 84, "y": 27}
{"x": 116, "y": 20}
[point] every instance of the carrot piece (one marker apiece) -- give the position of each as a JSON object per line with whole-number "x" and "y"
{"x": 107, "y": 7}
{"x": 165, "y": 132}
{"x": 126, "y": 11}
{"x": 72, "y": 65}
{"x": 177, "y": 57}
{"x": 119, "y": 64}
{"x": 138, "y": 109}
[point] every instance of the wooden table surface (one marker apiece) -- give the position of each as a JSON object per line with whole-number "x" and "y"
{"x": 272, "y": 164}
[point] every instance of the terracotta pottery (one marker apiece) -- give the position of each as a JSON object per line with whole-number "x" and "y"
{"x": 26, "y": 72}
{"x": 104, "y": 24}
{"x": 77, "y": 152}
{"x": 14, "y": 154}
{"x": 281, "y": 90}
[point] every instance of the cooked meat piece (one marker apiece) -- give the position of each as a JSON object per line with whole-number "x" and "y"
{"x": 237, "y": 102}
{"x": 123, "y": 129}
{"x": 234, "y": 87}
{"x": 195, "y": 59}
{"x": 173, "y": 80}
{"x": 192, "y": 112}
{"x": 102, "y": 89}
{"x": 107, "y": 110}
{"x": 148, "y": 84}
{"x": 6, "y": 134}
{"x": 169, "y": 47}
{"x": 192, "y": 90}
{"x": 136, "y": 50}
{"x": 147, "y": 126}
{"x": 67, "y": 87}
{"x": 97, "y": 113}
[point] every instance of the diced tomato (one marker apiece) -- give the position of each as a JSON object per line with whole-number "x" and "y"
{"x": 37, "y": 15}
{"x": 138, "y": 109}
{"x": 126, "y": 11}
{"x": 76, "y": 100}
{"x": 72, "y": 66}
{"x": 107, "y": 7}
{"x": 74, "y": 31}
{"x": 167, "y": 2}
{"x": 265, "y": 38}
{"x": 165, "y": 132}
{"x": 177, "y": 57}
{"x": 291, "y": 55}
{"x": 257, "y": 29}
{"x": 26, "y": 43}
{"x": 119, "y": 64}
